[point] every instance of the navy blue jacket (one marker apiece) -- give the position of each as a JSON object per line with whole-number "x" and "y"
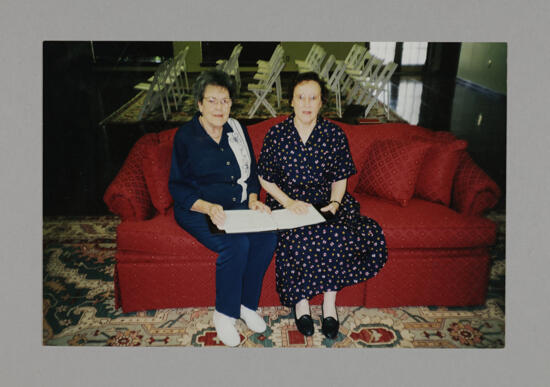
{"x": 202, "y": 169}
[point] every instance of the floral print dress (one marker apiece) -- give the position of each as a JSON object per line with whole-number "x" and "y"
{"x": 328, "y": 256}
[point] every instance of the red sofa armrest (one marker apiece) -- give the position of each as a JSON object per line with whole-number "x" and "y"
{"x": 127, "y": 195}
{"x": 473, "y": 190}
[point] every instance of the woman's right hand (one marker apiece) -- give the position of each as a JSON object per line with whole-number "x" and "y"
{"x": 216, "y": 214}
{"x": 297, "y": 206}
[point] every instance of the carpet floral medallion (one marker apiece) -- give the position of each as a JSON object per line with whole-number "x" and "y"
{"x": 78, "y": 306}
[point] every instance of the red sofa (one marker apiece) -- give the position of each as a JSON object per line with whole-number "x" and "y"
{"x": 438, "y": 242}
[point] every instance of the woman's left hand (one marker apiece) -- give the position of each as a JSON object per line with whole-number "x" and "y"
{"x": 332, "y": 207}
{"x": 257, "y": 205}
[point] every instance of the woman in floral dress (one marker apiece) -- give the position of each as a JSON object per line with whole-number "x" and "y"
{"x": 305, "y": 160}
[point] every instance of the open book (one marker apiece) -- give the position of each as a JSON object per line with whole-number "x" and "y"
{"x": 240, "y": 221}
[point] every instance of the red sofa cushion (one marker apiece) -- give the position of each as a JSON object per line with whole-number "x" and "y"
{"x": 159, "y": 237}
{"x": 128, "y": 195}
{"x": 435, "y": 180}
{"x": 420, "y": 225}
{"x": 157, "y": 160}
{"x": 156, "y": 169}
{"x": 391, "y": 169}
{"x": 474, "y": 191}
{"x": 423, "y": 224}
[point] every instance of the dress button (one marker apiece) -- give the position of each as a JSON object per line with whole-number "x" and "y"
{"x": 227, "y": 163}
{"x": 232, "y": 177}
{"x": 221, "y": 149}
{"x": 234, "y": 199}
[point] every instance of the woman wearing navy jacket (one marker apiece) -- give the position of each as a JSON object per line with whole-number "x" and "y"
{"x": 213, "y": 169}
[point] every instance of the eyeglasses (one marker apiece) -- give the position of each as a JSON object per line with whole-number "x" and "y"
{"x": 214, "y": 101}
{"x": 301, "y": 98}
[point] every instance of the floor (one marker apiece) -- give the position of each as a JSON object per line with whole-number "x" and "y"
{"x": 78, "y": 152}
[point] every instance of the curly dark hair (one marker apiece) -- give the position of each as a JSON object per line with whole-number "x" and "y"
{"x": 309, "y": 76}
{"x": 215, "y": 78}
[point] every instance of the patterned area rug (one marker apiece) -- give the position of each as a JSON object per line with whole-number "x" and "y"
{"x": 78, "y": 306}
{"x": 128, "y": 113}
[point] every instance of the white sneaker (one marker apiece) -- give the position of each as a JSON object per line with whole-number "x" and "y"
{"x": 225, "y": 329}
{"x": 253, "y": 320}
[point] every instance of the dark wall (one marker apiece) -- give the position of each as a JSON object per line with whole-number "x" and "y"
{"x": 71, "y": 153}
{"x": 77, "y": 94}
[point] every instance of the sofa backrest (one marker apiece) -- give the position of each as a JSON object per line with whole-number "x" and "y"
{"x": 360, "y": 138}
{"x": 125, "y": 194}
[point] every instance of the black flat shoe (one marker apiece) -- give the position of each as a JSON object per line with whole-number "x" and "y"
{"x": 330, "y": 326}
{"x": 304, "y": 324}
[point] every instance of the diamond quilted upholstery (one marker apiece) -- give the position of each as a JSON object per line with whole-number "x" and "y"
{"x": 361, "y": 137}
{"x": 424, "y": 224}
{"x": 424, "y": 281}
{"x": 165, "y": 284}
{"x": 167, "y": 136}
{"x": 391, "y": 169}
{"x": 436, "y": 255}
{"x": 435, "y": 180}
{"x": 167, "y": 237}
{"x": 157, "y": 160}
{"x": 474, "y": 191}
{"x": 127, "y": 195}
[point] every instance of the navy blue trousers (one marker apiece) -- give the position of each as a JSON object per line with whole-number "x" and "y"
{"x": 241, "y": 265}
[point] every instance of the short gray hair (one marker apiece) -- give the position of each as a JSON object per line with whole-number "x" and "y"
{"x": 215, "y": 78}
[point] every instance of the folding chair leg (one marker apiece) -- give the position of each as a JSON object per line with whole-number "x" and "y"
{"x": 279, "y": 93}
{"x": 186, "y": 81}
{"x": 370, "y": 105}
{"x": 353, "y": 93}
{"x": 338, "y": 103}
{"x": 163, "y": 110}
{"x": 256, "y": 103}
{"x": 387, "y": 100}
{"x": 269, "y": 108}
{"x": 144, "y": 106}
{"x": 238, "y": 82}
{"x": 346, "y": 85}
{"x": 181, "y": 91}
{"x": 167, "y": 99}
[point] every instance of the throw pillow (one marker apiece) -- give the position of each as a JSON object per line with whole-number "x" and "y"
{"x": 391, "y": 169}
{"x": 156, "y": 169}
{"x": 435, "y": 180}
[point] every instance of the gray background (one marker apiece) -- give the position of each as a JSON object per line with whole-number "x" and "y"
{"x": 23, "y": 27}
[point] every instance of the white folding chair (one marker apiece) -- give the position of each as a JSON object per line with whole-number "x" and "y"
{"x": 362, "y": 77}
{"x": 221, "y": 63}
{"x": 313, "y": 60}
{"x": 264, "y": 87}
{"x": 301, "y": 63}
{"x": 181, "y": 66}
{"x": 155, "y": 92}
{"x": 266, "y": 68}
{"x": 231, "y": 66}
{"x": 324, "y": 74}
{"x": 354, "y": 62}
{"x": 371, "y": 90}
{"x": 174, "y": 84}
{"x": 333, "y": 84}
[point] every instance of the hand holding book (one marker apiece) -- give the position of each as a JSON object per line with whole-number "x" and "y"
{"x": 242, "y": 221}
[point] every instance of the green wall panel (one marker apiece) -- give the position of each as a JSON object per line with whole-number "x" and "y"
{"x": 484, "y": 64}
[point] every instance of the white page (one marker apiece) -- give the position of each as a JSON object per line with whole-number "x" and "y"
{"x": 286, "y": 219}
{"x": 237, "y": 221}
